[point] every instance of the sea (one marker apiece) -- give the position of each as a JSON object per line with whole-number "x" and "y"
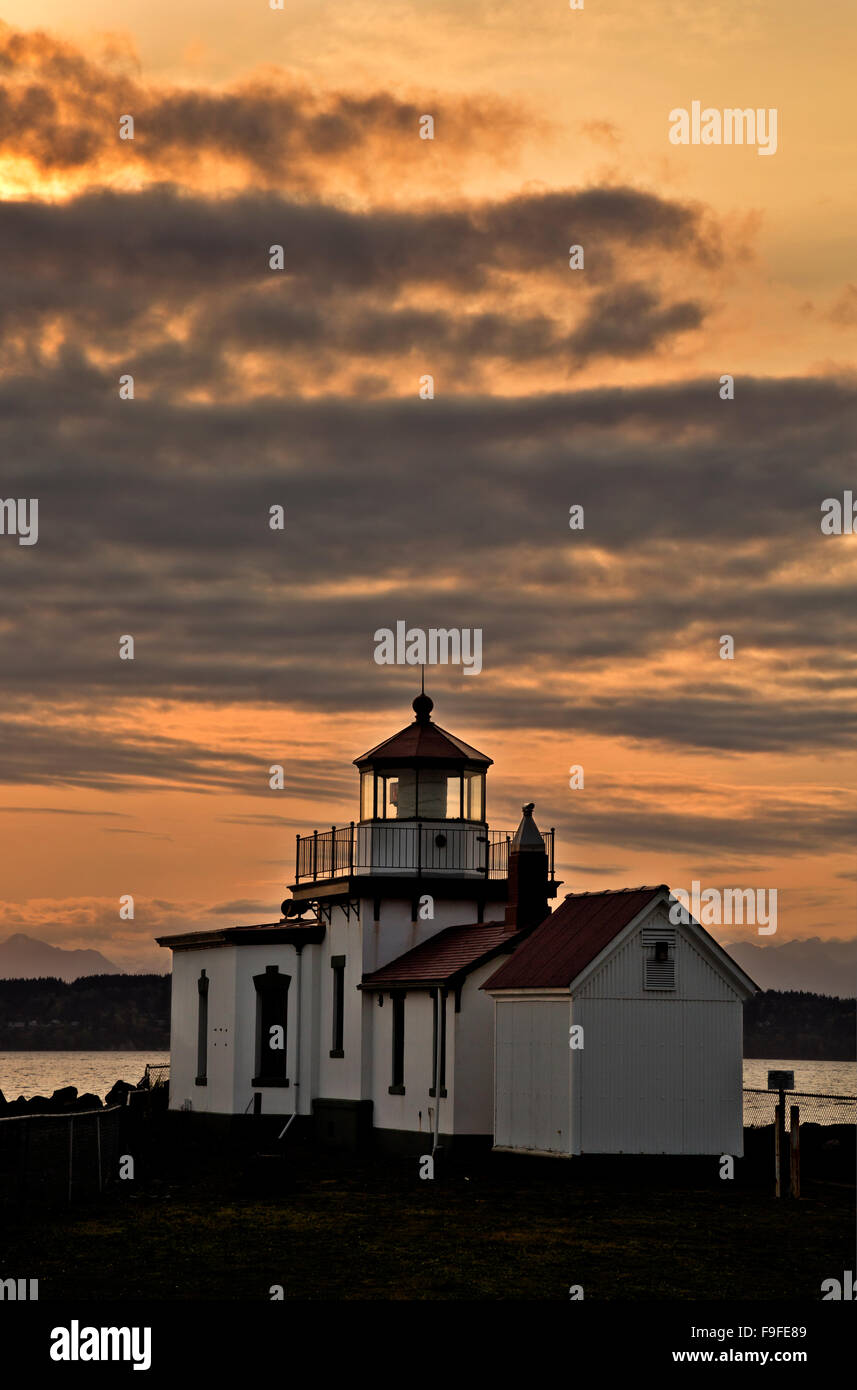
{"x": 41, "y": 1073}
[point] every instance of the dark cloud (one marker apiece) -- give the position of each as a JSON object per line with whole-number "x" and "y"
{"x": 153, "y": 521}
{"x": 762, "y": 831}
{"x": 60, "y": 108}
{"x": 111, "y": 271}
{"x": 629, "y": 321}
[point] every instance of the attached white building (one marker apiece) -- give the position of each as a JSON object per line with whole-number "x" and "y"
{"x": 618, "y": 1031}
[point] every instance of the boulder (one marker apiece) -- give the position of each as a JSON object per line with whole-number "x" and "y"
{"x": 39, "y": 1105}
{"x": 3, "y": 1102}
{"x": 64, "y": 1095}
{"x": 17, "y": 1107}
{"x": 117, "y": 1093}
{"x": 88, "y": 1102}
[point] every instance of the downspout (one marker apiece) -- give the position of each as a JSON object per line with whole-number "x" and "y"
{"x": 298, "y": 952}
{"x": 292, "y": 1117}
{"x": 437, "y": 1052}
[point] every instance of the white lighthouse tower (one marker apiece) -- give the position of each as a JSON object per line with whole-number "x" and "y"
{"x": 360, "y": 1009}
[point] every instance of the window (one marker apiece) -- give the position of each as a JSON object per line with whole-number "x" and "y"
{"x": 337, "y": 964}
{"x": 398, "y": 1085}
{"x": 367, "y": 796}
{"x": 474, "y": 796}
{"x": 202, "y": 1030}
{"x": 433, "y": 799}
{"x": 438, "y": 1020}
{"x": 272, "y": 991}
{"x": 396, "y": 795}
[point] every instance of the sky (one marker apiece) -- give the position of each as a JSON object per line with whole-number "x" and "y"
{"x": 597, "y": 387}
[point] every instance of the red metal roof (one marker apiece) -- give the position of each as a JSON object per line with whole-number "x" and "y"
{"x": 453, "y": 951}
{"x": 288, "y": 931}
{"x": 564, "y": 944}
{"x": 424, "y": 740}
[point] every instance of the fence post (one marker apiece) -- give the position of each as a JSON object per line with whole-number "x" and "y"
{"x": 351, "y": 850}
{"x": 314, "y": 855}
{"x": 795, "y": 1150}
{"x": 98, "y": 1141}
{"x": 70, "y": 1153}
{"x": 24, "y": 1156}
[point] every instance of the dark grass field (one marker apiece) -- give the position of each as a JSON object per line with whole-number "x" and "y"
{"x": 497, "y": 1228}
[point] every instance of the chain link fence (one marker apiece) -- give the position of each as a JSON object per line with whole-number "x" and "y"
{"x": 814, "y": 1108}
{"x": 52, "y": 1159}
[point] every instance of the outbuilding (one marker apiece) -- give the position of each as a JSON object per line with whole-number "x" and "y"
{"x": 618, "y": 1031}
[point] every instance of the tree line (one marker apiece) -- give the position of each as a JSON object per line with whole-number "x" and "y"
{"x": 125, "y": 1012}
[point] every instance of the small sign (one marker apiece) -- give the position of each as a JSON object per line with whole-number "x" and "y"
{"x": 781, "y": 1080}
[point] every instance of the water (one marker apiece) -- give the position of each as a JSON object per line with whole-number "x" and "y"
{"x": 818, "y": 1078}
{"x": 42, "y": 1073}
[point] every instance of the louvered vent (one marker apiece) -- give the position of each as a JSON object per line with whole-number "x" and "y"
{"x": 659, "y": 959}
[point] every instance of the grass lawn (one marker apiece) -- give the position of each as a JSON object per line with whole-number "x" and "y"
{"x": 502, "y": 1227}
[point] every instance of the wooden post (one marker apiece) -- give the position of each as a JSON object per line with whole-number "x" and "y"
{"x": 351, "y": 851}
{"x": 98, "y": 1139}
{"x": 70, "y": 1151}
{"x": 782, "y": 1148}
{"x": 795, "y": 1150}
{"x": 777, "y": 1127}
{"x": 314, "y": 856}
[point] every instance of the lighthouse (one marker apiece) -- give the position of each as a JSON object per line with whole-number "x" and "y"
{"x": 358, "y": 1012}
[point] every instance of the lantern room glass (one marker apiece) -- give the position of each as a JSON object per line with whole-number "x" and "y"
{"x": 425, "y": 794}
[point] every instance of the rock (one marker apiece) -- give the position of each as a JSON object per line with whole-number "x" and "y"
{"x": 17, "y": 1107}
{"x": 39, "y": 1105}
{"x": 3, "y": 1102}
{"x": 117, "y": 1093}
{"x": 64, "y": 1095}
{"x": 88, "y": 1102}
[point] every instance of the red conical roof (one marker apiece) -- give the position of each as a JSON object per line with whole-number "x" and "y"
{"x": 423, "y": 741}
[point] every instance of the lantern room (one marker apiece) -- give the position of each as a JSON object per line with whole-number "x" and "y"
{"x": 422, "y": 816}
{"x": 423, "y": 773}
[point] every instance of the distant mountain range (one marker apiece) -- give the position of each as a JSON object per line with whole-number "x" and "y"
{"x": 819, "y": 967}
{"x": 24, "y": 958}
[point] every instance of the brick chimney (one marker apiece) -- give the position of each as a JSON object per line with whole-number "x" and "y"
{"x": 528, "y": 875}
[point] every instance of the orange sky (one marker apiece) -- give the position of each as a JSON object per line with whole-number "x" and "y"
{"x": 407, "y": 257}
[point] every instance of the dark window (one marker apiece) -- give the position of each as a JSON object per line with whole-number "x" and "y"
{"x": 662, "y": 950}
{"x": 272, "y": 991}
{"x": 398, "y": 1086}
{"x": 202, "y": 1031}
{"x": 438, "y": 1020}
{"x": 338, "y": 1044}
